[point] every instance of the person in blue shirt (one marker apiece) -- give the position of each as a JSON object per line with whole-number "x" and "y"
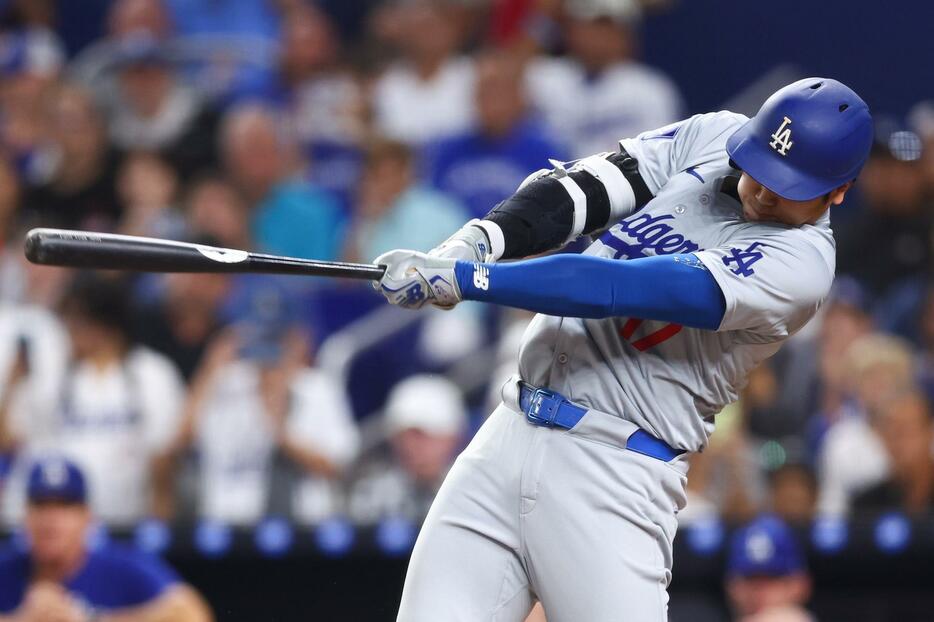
{"x": 288, "y": 215}
{"x": 484, "y": 166}
{"x": 58, "y": 579}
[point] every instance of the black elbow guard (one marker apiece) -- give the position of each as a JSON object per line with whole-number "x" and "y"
{"x": 552, "y": 210}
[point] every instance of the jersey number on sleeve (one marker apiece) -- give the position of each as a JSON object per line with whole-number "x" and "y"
{"x": 642, "y": 344}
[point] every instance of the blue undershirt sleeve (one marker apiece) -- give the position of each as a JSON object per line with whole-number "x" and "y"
{"x": 669, "y": 288}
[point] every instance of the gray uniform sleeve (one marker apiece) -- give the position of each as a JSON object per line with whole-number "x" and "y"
{"x": 772, "y": 285}
{"x": 667, "y": 151}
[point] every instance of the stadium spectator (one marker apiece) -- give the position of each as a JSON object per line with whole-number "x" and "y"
{"x": 58, "y": 579}
{"x": 186, "y": 318}
{"x": 767, "y": 578}
{"x": 119, "y": 406}
{"x": 793, "y": 493}
{"x": 600, "y": 94}
{"x": 81, "y": 189}
{"x": 214, "y": 208}
{"x": 877, "y": 368}
{"x": 424, "y": 424}
{"x": 845, "y": 321}
{"x": 150, "y": 109}
{"x": 907, "y": 432}
{"x": 272, "y": 434}
{"x": 288, "y": 216}
{"x": 892, "y": 217}
{"x": 33, "y": 363}
{"x": 428, "y": 93}
{"x": 147, "y": 187}
{"x": 393, "y": 211}
{"x": 726, "y": 478}
{"x": 31, "y": 57}
{"x": 485, "y": 165}
{"x": 321, "y": 101}
{"x": 324, "y": 102}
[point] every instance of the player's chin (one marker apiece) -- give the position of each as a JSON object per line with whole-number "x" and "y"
{"x": 750, "y": 213}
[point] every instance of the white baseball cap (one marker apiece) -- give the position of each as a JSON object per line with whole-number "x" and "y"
{"x": 429, "y": 403}
{"x": 627, "y": 11}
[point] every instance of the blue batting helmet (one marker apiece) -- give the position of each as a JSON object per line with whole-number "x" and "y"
{"x": 808, "y": 138}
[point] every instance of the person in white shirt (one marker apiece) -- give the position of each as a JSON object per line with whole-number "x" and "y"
{"x": 253, "y": 400}
{"x": 425, "y": 423}
{"x": 853, "y": 457}
{"x": 428, "y": 93}
{"x": 33, "y": 361}
{"x": 599, "y": 92}
{"x": 118, "y": 406}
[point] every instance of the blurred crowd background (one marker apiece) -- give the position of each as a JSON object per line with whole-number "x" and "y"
{"x": 339, "y": 130}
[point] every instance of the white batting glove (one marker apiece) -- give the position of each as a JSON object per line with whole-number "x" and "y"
{"x": 413, "y": 279}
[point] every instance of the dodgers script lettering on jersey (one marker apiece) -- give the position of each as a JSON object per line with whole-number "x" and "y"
{"x": 773, "y": 279}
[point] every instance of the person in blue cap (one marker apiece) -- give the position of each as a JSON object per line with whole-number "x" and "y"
{"x": 767, "y": 578}
{"x": 59, "y": 579}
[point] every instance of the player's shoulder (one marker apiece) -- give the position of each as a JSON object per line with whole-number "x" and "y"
{"x": 807, "y": 253}
{"x": 714, "y": 126}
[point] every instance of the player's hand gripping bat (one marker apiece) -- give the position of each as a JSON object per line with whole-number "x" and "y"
{"x": 107, "y": 251}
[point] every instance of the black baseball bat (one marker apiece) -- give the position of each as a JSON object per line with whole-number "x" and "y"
{"x": 109, "y": 251}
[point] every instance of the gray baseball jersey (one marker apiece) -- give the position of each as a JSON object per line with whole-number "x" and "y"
{"x": 668, "y": 379}
{"x": 572, "y": 517}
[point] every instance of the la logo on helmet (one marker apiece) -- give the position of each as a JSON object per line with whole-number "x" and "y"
{"x": 781, "y": 139}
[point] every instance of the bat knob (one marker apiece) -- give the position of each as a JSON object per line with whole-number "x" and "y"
{"x": 32, "y": 247}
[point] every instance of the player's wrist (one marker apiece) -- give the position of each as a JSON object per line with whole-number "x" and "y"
{"x": 472, "y": 279}
{"x": 478, "y": 240}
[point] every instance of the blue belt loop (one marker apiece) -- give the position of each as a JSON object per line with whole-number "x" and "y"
{"x": 550, "y": 409}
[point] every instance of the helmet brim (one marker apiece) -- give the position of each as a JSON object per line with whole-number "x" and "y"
{"x": 770, "y": 169}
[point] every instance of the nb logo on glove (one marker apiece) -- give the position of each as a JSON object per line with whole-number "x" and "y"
{"x": 414, "y": 294}
{"x": 481, "y": 277}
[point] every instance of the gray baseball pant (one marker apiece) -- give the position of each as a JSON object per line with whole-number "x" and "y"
{"x": 567, "y": 517}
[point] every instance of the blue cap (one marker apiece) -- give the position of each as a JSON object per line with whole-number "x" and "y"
{"x": 765, "y": 547}
{"x": 56, "y": 479}
{"x": 808, "y": 138}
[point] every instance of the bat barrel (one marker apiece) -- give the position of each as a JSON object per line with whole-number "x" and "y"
{"x": 83, "y": 249}
{"x": 105, "y": 251}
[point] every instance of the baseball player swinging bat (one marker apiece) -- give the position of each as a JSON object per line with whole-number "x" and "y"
{"x": 107, "y": 251}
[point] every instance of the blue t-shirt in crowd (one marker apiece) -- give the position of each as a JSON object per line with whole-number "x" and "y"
{"x": 112, "y": 578}
{"x": 299, "y": 220}
{"x": 480, "y": 171}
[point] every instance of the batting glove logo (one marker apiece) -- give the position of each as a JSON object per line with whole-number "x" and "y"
{"x": 414, "y": 296}
{"x": 481, "y": 277}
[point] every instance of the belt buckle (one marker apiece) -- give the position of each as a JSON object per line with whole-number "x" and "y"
{"x": 534, "y": 413}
